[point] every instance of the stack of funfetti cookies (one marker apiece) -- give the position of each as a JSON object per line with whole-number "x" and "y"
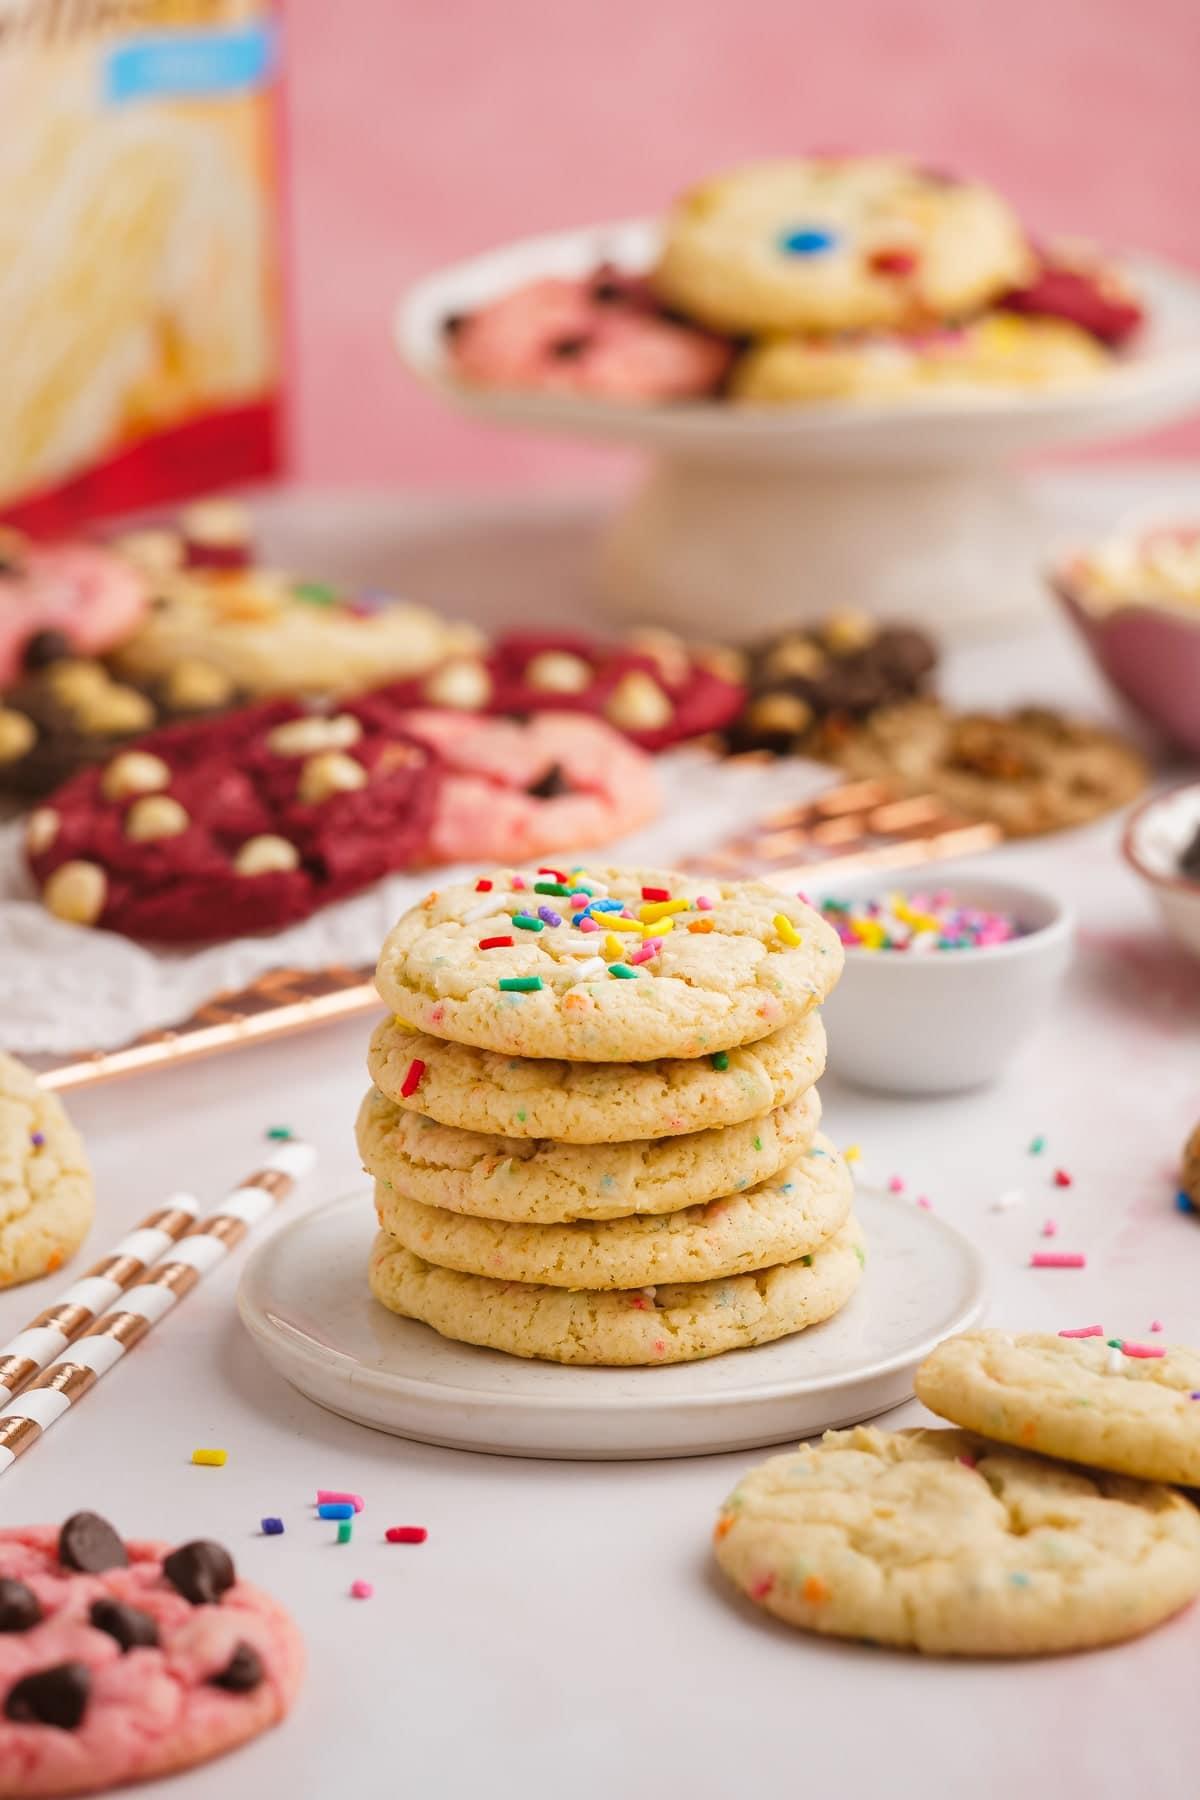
{"x": 593, "y": 1126}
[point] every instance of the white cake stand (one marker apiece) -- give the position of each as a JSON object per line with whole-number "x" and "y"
{"x": 754, "y": 517}
{"x": 304, "y": 1300}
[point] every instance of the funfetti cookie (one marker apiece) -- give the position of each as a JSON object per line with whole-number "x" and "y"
{"x": 122, "y": 1660}
{"x": 603, "y": 337}
{"x": 46, "y": 1196}
{"x": 1085, "y": 1399}
{"x": 942, "y": 1542}
{"x": 62, "y": 599}
{"x": 607, "y": 965}
{"x": 787, "y": 1216}
{"x": 592, "y": 1103}
{"x": 829, "y": 244}
{"x": 543, "y": 1182}
{"x": 241, "y": 824}
{"x": 678, "y": 1322}
{"x": 268, "y": 632}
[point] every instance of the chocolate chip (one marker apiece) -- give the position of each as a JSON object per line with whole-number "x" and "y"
{"x": 132, "y": 1629}
{"x": 88, "y": 1543}
{"x": 44, "y": 648}
{"x": 242, "y": 1673}
{"x": 566, "y": 348}
{"x": 201, "y": 1571}
{"x": 1189, "y": 862}
{"x": 10, "y": 566}
{"x": 20, "y": 1608}
{"x": 607, "y": 292}
{"x": 550, "y": 785}
{"x": 56, "y": 1696}
{"x": 453, "y": 323}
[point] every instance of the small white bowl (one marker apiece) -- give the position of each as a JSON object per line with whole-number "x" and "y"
{"x": 1157, "y": 834}
{"x": 943, "y": 1021}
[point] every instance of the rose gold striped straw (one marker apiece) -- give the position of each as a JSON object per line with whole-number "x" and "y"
{"x": 85, "y": 1300}
{"x": 162, "y": 1286}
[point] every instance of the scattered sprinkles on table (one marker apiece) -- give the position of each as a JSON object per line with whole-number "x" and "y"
{"x": 919, "y": 922}
{"x": 272, "y": 1527}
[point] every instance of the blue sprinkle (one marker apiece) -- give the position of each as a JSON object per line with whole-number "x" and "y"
{"x": 272, "y": 1527}
{"x": 335, "y": 1509}
{"x": 808, "y": 240}
{"x": 1183, "y": 1202}
{"x": 608, "y": 905}
{"x": 549, "y": 915}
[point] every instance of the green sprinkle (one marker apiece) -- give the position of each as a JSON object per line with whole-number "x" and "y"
{"x": 1115, "y": 1343}
{"x": 1037, "y": 1146}
{"x": 527, "y": 923}
{"x": 807, "y": 1261}
{"x": 758, "y": 1143}
{"x": 622, "y": 971}
{"x": 345, "y": 1529}
{"x": 522, "y": 1116}
{"x": 315, "y": 592}
{"x": 520, "y": 984}
{"x": 281, "y": 1134}
{"x": 552, "y": 887}
{"x": 721, "y": 1059}
{"x": 861, "y": 1255}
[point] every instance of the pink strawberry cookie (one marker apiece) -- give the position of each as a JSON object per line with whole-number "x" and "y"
{"x": 515, "y": 790}
{"x": 61, "y": 598}
{"x": 602, "y": 337}
{"x": 122, "y": 1661}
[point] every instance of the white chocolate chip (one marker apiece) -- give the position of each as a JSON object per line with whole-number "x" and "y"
{"x": 41, "y": 830}
{"x": 558, "y": 672}
{"x": 303, "y": 737}
{"x": 157, "y": 816}
{"x": 134, "y": 772}
{"x": 637, "y": 703}
{"x": 18, "y": 733}
{"x": 847, "y": 631}
{"x": 330, "y": 773}
{"x": 192, "y": 685}
{"x": 266, "y": 855}
{"x": 216, "y": 522}
{"x": 466, "y": 686}
{"x": 76, "y": 892}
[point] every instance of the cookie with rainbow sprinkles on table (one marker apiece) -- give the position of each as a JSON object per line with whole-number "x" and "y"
{"x": 607, "y": 965}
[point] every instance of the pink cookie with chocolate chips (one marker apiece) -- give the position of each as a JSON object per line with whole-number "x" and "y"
{"x": 63, "y": 599}
{"x": 122, "y": 1661}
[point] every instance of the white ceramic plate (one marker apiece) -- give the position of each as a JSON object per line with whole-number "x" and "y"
{"x": 1157, "y": 381}
{"x": 304, "y": 1299}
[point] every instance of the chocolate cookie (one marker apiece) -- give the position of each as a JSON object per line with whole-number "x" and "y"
{"x": 841, "y": 670}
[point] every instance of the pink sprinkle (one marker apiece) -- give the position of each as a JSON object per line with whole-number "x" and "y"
{"x": 578, "y": 902}
{"x": 588, "y": 924}
{"x": 1050, "y": 1228}
{"x": 762, "y": 1587}
{"x": 335, "y": 1497}
{"x": 1156, "y": 1324}
{"x": 1058, "y": 1259}
{"x": 703, "y": 902}
{"x": 1083, "y": 1331}
{"x": 361, "y": 1590}
{"x": 645, "y": 951}
{"x": 518, "y": 882}
{"x": 968, "y": 1462}
{"x": 925, "y": 1202}
{"x": 895, "y": 1185}
{"x": 1145, "y": 1351}
{"x": 1061, "y": 1178}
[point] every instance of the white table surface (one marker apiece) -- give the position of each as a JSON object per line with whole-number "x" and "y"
{"x": 562, "y": 1631}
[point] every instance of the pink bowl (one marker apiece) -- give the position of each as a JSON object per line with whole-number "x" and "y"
{"x": 1150, "y": 654}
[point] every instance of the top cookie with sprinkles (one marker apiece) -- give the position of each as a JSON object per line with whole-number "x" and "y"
{"x": 607, "y": 965}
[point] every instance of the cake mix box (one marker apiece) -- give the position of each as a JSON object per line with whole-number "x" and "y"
{"x": 139, "y": 254}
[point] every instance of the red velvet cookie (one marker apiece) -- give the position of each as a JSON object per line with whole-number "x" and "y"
{"x": 657, "y": 695}
{"x": 242, "y": 824}
{"x": 1083, "y": 292}
{"x": 122, "y": 1661}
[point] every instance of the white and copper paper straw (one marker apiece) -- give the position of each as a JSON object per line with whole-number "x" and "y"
{"x": 85, "y": 1300}
{"x": 105, "y": 1342}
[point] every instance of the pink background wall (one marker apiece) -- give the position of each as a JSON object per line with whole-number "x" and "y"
{"x": 423, "y": 130}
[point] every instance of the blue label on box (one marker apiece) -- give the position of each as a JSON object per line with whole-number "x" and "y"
{"x": 176, "y": 65}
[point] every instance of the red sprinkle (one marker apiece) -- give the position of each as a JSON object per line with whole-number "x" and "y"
{"x": 557, "y": 874}
{"x": 1061, "y": 1178}
{"x": 1142, "y": 1350}
{"x": 1058, "y": 1259}
{"x": 1084, "y": 1331}
{"x": 496, "y": 943}
{"x": 406, "y": 1534}
{"x": 893, "y": 262}
{"x": 656, "y": 893}
{"x": 482, "y": 886}
{"x": 412, "y": 1080}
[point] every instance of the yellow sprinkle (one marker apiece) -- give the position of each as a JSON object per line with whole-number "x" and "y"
{"x": 869, "y": 932}
{"x": 851, "y": 1153}
{"x": 661, "y": 909}
{"x": 659, "y": 928}
{"x": 614, "y": 949}
{"x": 619, "y": 924}
{"x": 210, "y": 1459}
{"x": 787, "y": 930}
